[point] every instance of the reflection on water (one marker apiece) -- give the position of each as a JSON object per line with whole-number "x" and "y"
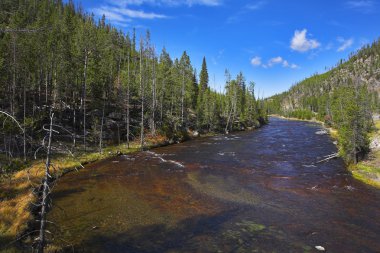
{"x": 249, "y": 192}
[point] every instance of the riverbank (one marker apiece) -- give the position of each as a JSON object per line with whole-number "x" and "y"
{"x": 367, "y": 170}
{"x": 17, "y": 198}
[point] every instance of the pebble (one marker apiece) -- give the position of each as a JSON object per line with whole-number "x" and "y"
{"x": 320, "y": 248}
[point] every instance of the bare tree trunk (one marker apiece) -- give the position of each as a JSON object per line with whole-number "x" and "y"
{"x": 74, "y": 121}
{"x": 46, "y": 85}
{"x": 24, "y": 123}
{"x": 45, "y": 190}
{"x": 128, "y": 96}
{"x": 154, "y": 97}
{"x": 182, "y": 96}
{"x": 142, "y": 99}
{"x": 101, "y": 128}
{"x": 228, "y": 120}
{"x": 162, "y": 101}
{"x": 84, "y": 97}
{"x": 14, "y": 76}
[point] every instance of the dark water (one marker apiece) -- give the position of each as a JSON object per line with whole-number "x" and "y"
{"x": 248, "y": 192}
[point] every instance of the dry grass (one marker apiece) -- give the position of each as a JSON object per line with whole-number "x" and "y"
{"x": 16, "y": 193}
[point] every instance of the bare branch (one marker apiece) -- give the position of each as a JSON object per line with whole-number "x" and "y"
{"x": 10, "y": 116}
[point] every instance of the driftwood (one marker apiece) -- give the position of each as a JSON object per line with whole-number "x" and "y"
{"x": 329, "y": 157}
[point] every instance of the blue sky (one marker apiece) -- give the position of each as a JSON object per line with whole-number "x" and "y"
{"x": 275, "y": 43}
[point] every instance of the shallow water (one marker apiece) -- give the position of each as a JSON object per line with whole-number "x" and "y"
{"x": 248, "y": 192}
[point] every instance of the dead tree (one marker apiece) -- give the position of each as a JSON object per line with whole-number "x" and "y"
{"x": 128, "y": 98}
{"x": 142, "y": 98}
{"x": 154, "y": 94}
{"x": 45, "y": 189}
{"x": 84, "y": 95}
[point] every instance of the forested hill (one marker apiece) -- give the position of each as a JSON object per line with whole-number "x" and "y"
{"x": 103, "y": 85}
{"x": 312, "y": 96}
{"x": 344, "y": 97}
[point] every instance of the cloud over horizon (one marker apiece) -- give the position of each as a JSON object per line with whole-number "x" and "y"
{"x": 301, "y": 43}
{"x": 345, "y": 44}
{"x": 167, "y": 3}
{"x": 257, "y": 62}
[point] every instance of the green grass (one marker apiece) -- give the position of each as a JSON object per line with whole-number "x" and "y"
{"x": 16, "y": 197}
{"x": 367, "y": 173}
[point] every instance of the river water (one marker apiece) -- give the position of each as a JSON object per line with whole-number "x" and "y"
{"x": 256, "y": 191}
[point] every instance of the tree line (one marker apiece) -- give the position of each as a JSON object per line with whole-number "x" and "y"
{"x": 105, "y": 86}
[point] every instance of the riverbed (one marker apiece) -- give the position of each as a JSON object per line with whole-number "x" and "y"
{"x": 256, "y": 191}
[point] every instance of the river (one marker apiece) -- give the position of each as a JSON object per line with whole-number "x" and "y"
{"x": 256, "y": 191}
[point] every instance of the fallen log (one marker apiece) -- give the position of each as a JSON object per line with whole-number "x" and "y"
{"x": 329, "y": 157}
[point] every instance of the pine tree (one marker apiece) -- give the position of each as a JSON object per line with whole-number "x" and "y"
{"x": 203, "y": 78}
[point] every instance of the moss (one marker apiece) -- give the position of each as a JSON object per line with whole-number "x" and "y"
{"x": 250, "y": 226}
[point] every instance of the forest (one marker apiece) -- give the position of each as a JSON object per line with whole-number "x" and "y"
{"x": 344, "y": 97}
{"x": 103, "y": 86}
{"x": 72, "y": 85}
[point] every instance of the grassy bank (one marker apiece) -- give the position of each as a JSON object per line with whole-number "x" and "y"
{"x": 368, "y": 170}
{"x": 16, "y": 195}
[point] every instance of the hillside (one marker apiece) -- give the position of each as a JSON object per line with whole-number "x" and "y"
{"x": 312, "y": 95}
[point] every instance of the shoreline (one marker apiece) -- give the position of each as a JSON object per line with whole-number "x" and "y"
{"x": 332, "y": 132}
{"x": 363, "y": 171}
{"x": 17, "y": 212}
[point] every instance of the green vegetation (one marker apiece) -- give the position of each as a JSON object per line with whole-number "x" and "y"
{"x": 109, "y": 92}
{"x": 105, "y": 87}
{"x": 344, "y": 98}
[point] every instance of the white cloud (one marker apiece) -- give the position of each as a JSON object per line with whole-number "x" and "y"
{"x": 364, "y": 6}
{"x": 256, "y": 61}
{"x": 169, "y": 3}
{"x": 121, "y": 13}
{"x": 110, "y": 15}
{"x": 275, "y": 60}
{"x": 344, "y": 44}
{"x": 121, "y": 16}
{"x": 301, "y": 43}
{"x": 360, "y": 4}
{"x": 256, "y": 6}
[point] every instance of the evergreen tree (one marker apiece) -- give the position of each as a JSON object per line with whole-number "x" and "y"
{"x": 203, "y": 78}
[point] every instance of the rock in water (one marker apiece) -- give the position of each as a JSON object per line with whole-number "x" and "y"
{"x": 321, "y": 132}
{"x": 320, "y": 248}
